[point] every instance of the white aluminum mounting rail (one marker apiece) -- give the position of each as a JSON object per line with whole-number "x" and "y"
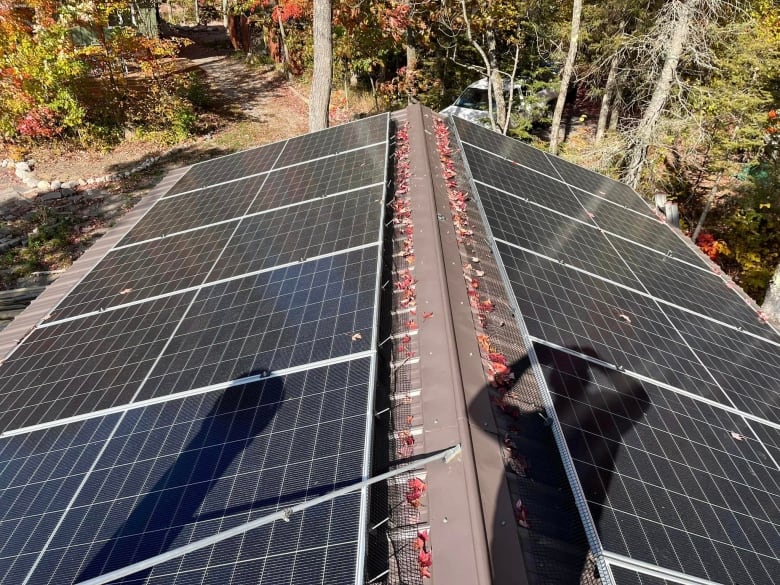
{"x": 617, "y": 560}
{"x": 446, "y": 456}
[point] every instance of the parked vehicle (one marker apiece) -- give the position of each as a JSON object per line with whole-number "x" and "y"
{"x": 472, "y": 104}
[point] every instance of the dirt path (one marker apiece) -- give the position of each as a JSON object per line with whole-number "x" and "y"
{"x": 252, "y": 106}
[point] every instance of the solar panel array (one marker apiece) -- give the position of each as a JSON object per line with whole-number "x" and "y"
{"x": 215, "y": 366}
{"x": 663, "y": 382}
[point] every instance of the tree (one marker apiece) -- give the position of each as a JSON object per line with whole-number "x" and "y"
{"x": 568, "y": 68}
{"x": 322, "y": 77}
{"x": 771, "y": 305}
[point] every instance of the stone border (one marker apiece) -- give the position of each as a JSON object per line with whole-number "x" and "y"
{"x": 24, "y": 171}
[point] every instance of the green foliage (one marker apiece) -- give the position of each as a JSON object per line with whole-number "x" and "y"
{"x": 750, "y": 225}
{"x": 197, "y": 91}
{"x": 68, "y": 69}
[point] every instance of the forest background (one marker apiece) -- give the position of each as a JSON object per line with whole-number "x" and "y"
{"x": 678, "y": 98}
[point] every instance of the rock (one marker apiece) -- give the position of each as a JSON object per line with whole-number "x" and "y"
{"x": 22, "y": 166}
{"x": 31, "y": 162}
{"x": 30, "y": 181}
{"x": 68, "y": 185}
{"x": 67, "y": 192}
{"x": 50, "y": 196}
{"x": 43, "y": 185}
{"x": 56, "y": 184}
{"x": 82, "y": 182}
{"x": 90, "y": 181}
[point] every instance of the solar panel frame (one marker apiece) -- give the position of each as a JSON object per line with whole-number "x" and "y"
{"x": 361, "y": 467}
{"x": 144, "y": 455}
{"x": 602, "y": 556}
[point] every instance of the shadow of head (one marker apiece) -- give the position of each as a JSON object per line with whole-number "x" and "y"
{"x": 248, "y": 408}
{"x": 597, "y": 407}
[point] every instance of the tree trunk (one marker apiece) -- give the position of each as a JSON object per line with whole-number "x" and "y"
{"x": 771, "y": 304}
{"x": 411, "y": 64}
{"x": 225, "y": 13}
{"x": 323, "y": 66}
{"x": 285, "y": 52}
{"x": 606, "y": 101}
{"x": 485, "y": 60}
{"x": 643, "y": 136}
{"x": 495, "y": 80}
{"x": 614, "y": 114}
{"x": 568, "y": 68}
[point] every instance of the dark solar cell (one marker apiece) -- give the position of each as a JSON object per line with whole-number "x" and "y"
{"x": 322, "y": 177}
{"x": 186, "y": 469}
{"x": 670, "y": 481}
{"x": 769, "y": 437}
{"x": 598, "y": 185}
{"x": 616, "y": 325}
{"x": 149, "y": 269}
{"x": 698, "y": 290}
{"x": 291, "y": 316}
{"x": 553, "y": 235}
{"x": 495, "y": 143}
{"x": 334, "y": 140}
{"x": 747, "y": 368}
{"x": 522, "y": 182}
{"x": 551, "y": 166}
{"x": 302, "y": 231}
{"x": 87, "y": 364}
{"x": 230, "y": 167}
{"x": 183, "y": 212}
{"x": 645, "y": 230}
{"x": 39, "y": 473}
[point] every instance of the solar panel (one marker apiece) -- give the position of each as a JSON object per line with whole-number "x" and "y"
{"x": 699, "y": 290}
{"x": 140, "y": 415}
{"x": 663, "y": 382}
{"x": 303, "y": 231}
{"x": 173, "y": 472}
{"x": 575, "y": 310}
{"x": 153, "y": 268}
{"x": 628, "y": 577}
{"x": 586, "y": 183}
{"x": 195, "y": 210}
{"x": 228, "y": 168}
{"x": 355, "y": 169}
{"x": 79, "y": 366}
{"x": 307, "y": 312}
{"x": 538, "y": 229}
{"x": 334, "y": 140}
{"x": 666, "y": 480}
{"x": 503, "y": 175}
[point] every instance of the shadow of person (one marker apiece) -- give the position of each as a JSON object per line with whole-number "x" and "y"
{"x": 596, "y": 407}
{"x": 237, "y": 416}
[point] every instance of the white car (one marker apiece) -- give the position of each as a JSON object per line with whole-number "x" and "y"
{"x": 472, "y": 105}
